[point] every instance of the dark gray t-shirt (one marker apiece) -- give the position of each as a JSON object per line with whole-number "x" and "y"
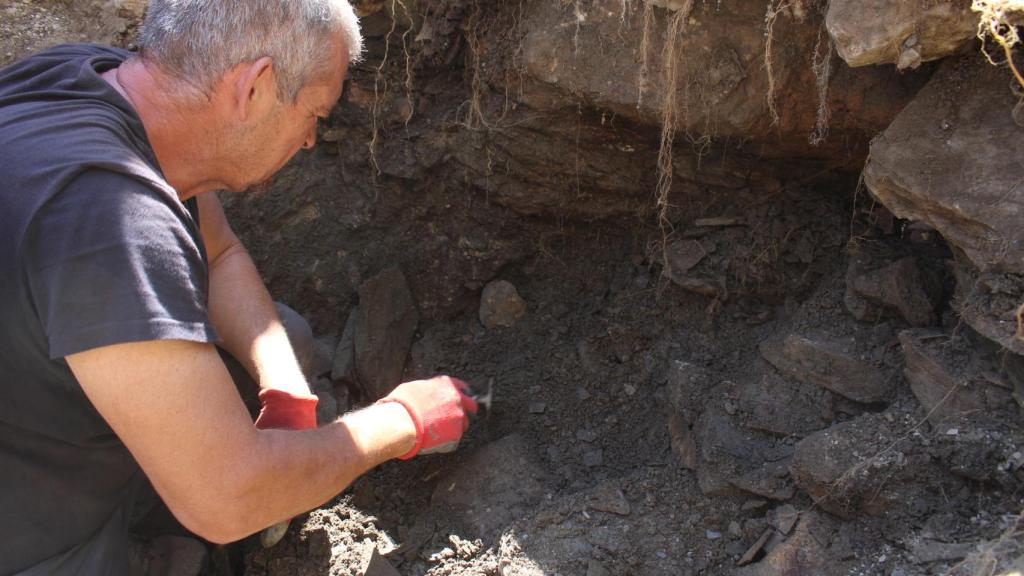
{"x": 95, "y": 249}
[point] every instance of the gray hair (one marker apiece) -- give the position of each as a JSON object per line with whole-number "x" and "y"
{"x": 197, "y": 41}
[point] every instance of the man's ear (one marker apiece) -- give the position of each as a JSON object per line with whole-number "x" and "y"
{"x": 255, "y": 89}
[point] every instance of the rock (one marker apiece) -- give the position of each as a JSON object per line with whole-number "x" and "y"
{"x": 805, "y": 552}
{"x": 783, "y": 518}
{"x": 343, "y": 367}
{"x": 688, "y": 387}
{"x": 901, "y": 287}
{"x": 379, "y": 566}
{"x": 500, "y": 305}
{"x": 683, "y": 441}
{"x": 537, "y": 407}
{"x": 681, "y": 256}
{"x": 781, "y": 407}
{"x": 327, "y": 407}
{"x": 493, "y": 486}
{"x": 768, "y": 481}
{"x": 385, "y": 324}
{"x": 826, "y": 364}
{"x": 750, "y": 505}
{"x": 948, "y": 381}
{"x": 727, "y": 452}
{"x": 755, "y": 548}
{"x": 860, "y": 467}
{"x": 952, "y": 159}
{"x": 869, "y": 32}
{"x": 989, "y": 302}
{"x": 324, "y": 348}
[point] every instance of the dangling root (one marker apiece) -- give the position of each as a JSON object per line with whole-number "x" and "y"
{"x": 774, "y": 7}
{"x": 670, "y": 113}
{"x": 821, "y": 65}
{"x": 994, "y": 22}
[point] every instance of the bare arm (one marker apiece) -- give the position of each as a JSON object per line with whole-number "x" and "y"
{"x": 174, "y": 406}
{"x": 241, "y": 308}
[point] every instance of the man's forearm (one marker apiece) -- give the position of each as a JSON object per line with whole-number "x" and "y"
{"x": 246, "y": 319}
{"x": 292, "y": 472}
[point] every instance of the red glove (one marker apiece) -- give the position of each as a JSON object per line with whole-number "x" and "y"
{"x": 439, "y": 409}
{"x": 286, "y": 411}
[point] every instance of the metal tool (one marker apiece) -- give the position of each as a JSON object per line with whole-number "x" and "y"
{"x": 486, "y": 398}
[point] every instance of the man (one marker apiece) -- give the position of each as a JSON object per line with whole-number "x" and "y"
{"x": 118, "y": 272}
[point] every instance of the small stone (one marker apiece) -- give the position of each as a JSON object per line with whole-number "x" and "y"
{"x": 501, "y": 305}
{"x": 538, "y": 407}
{"x": 750, "y": 505}
{"x": 735, "y": 530}
{"x": 593, "y": 458}
{"x": 783, "y": 518}
{"x": 712, "y": 535}
{"x": 629, "y": 389}
{"x": 585, "y": 435}
{"x": 756, "y": 547}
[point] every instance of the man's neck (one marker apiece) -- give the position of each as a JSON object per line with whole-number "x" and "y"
{"x": 182, "y": 132}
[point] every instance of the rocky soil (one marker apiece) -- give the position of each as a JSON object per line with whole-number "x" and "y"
{"x": 745, "y": 277}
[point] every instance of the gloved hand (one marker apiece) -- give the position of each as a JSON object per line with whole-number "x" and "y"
{"x": 286, "y": 411}
{"x": 439, "y": 409}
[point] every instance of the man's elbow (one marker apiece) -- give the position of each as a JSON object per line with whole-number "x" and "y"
{"x": 216, "y": 525}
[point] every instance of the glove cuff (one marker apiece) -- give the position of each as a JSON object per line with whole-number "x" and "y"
{"x": 286, "y": 411}
{"x": 417, "y": 422}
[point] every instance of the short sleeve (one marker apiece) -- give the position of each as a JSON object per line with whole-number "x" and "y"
{"x": 110, "y": 260}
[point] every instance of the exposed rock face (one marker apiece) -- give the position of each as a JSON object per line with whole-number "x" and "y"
{"x": 720, "y": 64}
{"x": 899, "y": 32}
{"x": 952, "y": 159}
{"x": 385, "y": 325}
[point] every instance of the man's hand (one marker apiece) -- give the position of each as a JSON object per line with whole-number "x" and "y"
{"x": 439, "y": 408}
{"x": 286, "y": 411}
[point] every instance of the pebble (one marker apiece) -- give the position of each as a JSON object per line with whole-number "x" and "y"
{"x": 585, "y": 435}
{"x": 735, "y": 529}
{"x": 712, "y": 535}
{"x": 538, "y": 407}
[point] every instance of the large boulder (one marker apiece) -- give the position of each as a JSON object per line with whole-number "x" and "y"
{"x": 952, "y": 160}
{"x": 899, "y": 32}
